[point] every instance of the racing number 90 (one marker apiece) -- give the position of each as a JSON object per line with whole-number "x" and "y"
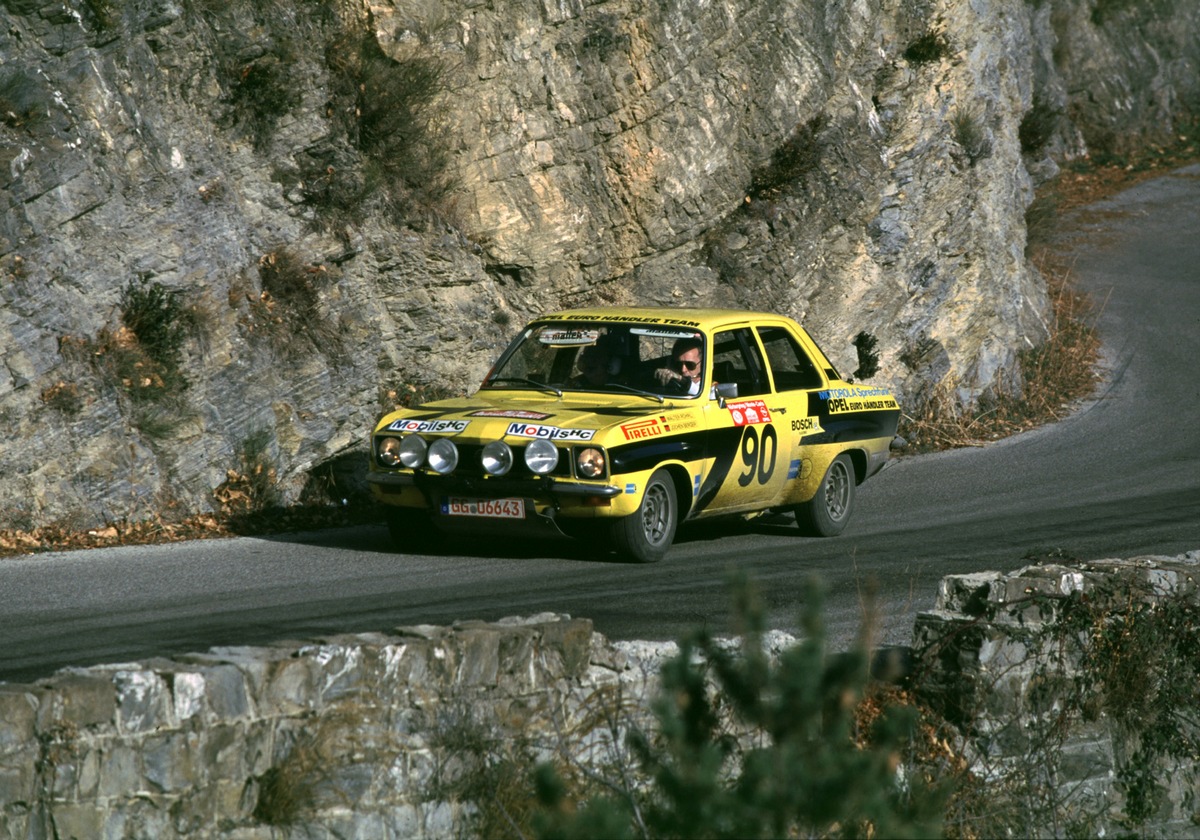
{"x": 758, "y": 463}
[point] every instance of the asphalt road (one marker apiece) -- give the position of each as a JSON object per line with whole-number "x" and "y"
{"x": 1120, "y": 477}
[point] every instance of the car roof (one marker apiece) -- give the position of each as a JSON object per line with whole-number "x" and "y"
{"x": 708, "y": 318}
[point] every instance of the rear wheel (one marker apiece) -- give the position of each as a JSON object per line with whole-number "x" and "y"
{"x": 826, "y": 513}
{"x": 647, "y": 533}
{"x": 411, "y": 530}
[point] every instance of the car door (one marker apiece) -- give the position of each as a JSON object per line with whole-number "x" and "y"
{"x": 796, "y": 378}
{"x": 749, "y": 456}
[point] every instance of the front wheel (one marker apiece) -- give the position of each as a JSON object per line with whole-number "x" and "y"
{"x": 826, "y": 513}
{"x": 647, "y": 533}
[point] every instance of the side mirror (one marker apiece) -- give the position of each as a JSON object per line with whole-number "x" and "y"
{"x": 724, "y": 391}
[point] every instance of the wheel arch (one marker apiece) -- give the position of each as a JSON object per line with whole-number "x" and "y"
{"x": 682, "y": 479}
{"x": 858, "y": 458}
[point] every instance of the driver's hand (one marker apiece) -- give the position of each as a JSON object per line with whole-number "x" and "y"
{"x": 666, "y": 376}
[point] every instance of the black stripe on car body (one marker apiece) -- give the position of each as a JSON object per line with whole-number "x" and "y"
{"x": 719, "y": 444}
{"x": 645, "y": 455}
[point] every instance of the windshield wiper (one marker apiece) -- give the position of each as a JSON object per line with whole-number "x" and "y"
{"x": 637, "y": 391}
{"x": 541, "y": 386}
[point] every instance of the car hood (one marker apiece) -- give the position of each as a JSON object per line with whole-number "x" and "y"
{"x": 491, "y": 416}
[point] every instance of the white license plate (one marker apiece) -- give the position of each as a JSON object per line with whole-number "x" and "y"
{"x": 488, "y": 508}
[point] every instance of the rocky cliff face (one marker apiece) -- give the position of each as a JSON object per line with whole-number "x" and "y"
{"x": 232, "y": 233}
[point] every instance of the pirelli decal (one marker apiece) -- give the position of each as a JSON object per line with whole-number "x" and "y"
{"x": 648, "y": 428}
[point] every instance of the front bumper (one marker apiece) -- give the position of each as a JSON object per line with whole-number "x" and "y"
{"x": 433, "y": 486}
{"x": 544, "y": 497}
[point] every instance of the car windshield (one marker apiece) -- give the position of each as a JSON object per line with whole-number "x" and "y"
{"x": 657, "y": 361}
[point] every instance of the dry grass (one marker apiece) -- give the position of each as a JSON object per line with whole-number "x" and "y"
{"x": 1058, "y": 374}
{"x": 1055, "y": 377}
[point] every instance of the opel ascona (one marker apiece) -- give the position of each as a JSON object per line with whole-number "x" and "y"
{"x": 621, "y": 423}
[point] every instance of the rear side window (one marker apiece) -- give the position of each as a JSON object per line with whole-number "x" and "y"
{"x": 791, "y": 367}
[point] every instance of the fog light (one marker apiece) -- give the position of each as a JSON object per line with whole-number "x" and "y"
{"x": 541, "y": 456}
{"x": 443, "y": 456}
{"x": 412, "y": 451}
{"x": 497, "y": 458}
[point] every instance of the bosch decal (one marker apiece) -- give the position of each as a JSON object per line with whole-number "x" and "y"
{"x": 807, "y": 425}
{"x": 432, "y": 427}
{"x": 533, "y": 430}
{"x": 749, "y": 412}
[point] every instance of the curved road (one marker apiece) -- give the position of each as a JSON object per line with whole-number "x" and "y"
{"x": 1119, "y": 478}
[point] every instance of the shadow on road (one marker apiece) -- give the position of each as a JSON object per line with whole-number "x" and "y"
{"x": 376, "y": 540}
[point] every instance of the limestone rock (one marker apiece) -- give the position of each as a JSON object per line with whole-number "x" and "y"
{"x": 860, "y": 166}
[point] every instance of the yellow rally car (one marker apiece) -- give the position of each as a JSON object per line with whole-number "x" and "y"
{"x": 622, "y": 423}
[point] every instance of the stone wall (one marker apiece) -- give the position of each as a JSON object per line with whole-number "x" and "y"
{"x": 1052, "y": 676}
{"x": 364, "y": 736}
{"x": 860, "y": 166}
{"x": 380, "y": 735}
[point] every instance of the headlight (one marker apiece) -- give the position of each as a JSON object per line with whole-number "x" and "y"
{"x": 443, "y": 456}
{"x": 412, "y": 451}
{"x": 389, "y": 451}
{"x": 589, "y": 463}
{"x": 541, "y": 456}
{"x": 497, "y": 458}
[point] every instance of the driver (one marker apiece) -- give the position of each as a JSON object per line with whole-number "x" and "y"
{"x": 686, "y": 370}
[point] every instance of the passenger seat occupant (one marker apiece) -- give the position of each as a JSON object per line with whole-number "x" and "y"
{"x": 686, "y": 371}
{"x": 595, "y": 365}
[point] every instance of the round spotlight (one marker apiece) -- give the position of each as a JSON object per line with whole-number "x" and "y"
{"x": 589, "y": 463}
{"x": 388, "y": 451}
{"x": 497, "y": 458}
{"x": 412, "y": 451}
{"x": 443, "y": 456}
{"x": 541, "y": 456}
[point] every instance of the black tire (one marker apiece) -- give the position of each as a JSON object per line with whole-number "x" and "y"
{"x": 826, "y": 513}
{"x": 412, "y": 531}
{"x": 646, "y": 534}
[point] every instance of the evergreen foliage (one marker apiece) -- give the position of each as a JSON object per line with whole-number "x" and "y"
{"x": 749, "y": 747}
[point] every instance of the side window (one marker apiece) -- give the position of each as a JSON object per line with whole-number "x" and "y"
{"x": 791, "y": 367}
{"x": 736, "y": 358}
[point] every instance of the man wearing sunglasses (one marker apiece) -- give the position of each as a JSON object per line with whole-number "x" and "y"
{"x": 686, "y": 370}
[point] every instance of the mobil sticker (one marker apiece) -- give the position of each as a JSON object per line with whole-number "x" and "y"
{"x": 430, "y": 427}
{"x": 536, "y": 430}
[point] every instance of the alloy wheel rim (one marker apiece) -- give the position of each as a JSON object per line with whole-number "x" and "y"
{"x": 654, "y": 516}
{"x": 837, "y": 491}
